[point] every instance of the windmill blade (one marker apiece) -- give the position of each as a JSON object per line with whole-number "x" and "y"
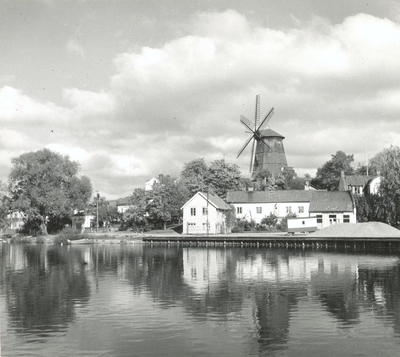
{"x": 266, "y": 119}
{"x": 245, "y": 145}
{"x": 257, "y": 112}
{"x": 265, "y": 144}
{"x": 253, "y": 155}
{"x": 247, "y": 123}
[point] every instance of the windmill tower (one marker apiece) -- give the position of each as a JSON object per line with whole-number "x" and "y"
{"x": 267, "y": 151}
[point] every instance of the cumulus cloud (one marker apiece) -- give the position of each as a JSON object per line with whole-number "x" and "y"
{"x": 333, "y": 86}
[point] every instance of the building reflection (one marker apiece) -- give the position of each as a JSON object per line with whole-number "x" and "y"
{"x": 44, "y": 285}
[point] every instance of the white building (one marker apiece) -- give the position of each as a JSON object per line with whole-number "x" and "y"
{"x": 329, "y": 207}
{"x": 149, "y": 183}
{"x": 205, "y": 213}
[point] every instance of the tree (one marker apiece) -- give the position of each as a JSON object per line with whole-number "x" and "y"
{"x": 136, "y": 214}
{"x": 44, "y": 186}
{"x": 4, "y": 205}
{"x": 328, "y": 175}
{"x": 164, "y": 201}
{"x": 223, "y": 177}
{"x": 389, "y": 190}
{"x": 194, "y": 174}
{"x": 108, "y": 213}
{"x": 270, "y": 220}
{"x": 267, "y": 181}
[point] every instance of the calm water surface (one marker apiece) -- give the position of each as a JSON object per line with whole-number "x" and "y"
{"x": 140, "y": 300}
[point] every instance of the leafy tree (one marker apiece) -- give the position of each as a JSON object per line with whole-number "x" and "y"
{"x": 267, "y": 181}
{"x": 389, "y": 190}
{"x": 108, "y": 213}
{"x": 80, "y": 192}
{"x": 371, "y": 169}
{"x": 223, "y": 177}
{"x": 136, "y": 214}
{"x": 164, "y": 201}
{"x": 270, "y": 220}
{"x": 44, "y": 187}
{"x": 194, "y": 174}
{"x": 4, "y": 205}
{"x": 328, "y": 175}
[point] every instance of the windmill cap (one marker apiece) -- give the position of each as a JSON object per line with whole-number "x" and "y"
{"x": 270, "y": 133}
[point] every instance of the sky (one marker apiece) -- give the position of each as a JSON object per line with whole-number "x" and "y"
{"x": 134, "y": 89}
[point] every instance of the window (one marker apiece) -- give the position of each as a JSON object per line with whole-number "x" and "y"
{"x": 301, "y": 209}
{"x": 259, "y": 210}
{"x": 332, "y": 219}
{"x": 193, "y": 211}
{"x": 205, "y": 211}
{"x": 191, "y": 224}
{"x": 239, "y": 210}
{"x": 346, "y": 218}
{"x": 288, "y": 209}
{"x": 319, "y": 218}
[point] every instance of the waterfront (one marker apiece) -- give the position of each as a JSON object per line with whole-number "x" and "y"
{"x": 112, "y": 300}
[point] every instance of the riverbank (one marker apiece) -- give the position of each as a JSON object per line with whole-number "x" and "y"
{"x": 348, "y": 232}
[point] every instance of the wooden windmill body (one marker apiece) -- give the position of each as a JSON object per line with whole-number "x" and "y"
{"x": 267, "y": 151}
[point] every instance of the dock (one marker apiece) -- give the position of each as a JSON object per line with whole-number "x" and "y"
{"x": 273, "y": 241}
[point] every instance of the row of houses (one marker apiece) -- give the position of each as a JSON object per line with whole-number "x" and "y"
{"x": 207, "y": 213}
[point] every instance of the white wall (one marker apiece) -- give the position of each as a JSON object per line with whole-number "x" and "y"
{"x": 249, "y": 210}
{"x": 198, "y": 224}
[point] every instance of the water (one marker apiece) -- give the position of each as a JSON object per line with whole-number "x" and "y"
{"x": 138, "y": 300}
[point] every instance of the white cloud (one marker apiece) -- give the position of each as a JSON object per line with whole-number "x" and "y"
{"x": 86, "y": 103}
{"x": 332, "y": 87}
{"x": 16, "y": 106}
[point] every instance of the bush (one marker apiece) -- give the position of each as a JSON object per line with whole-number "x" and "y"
{"x": 71, "y": 234}
{"x": 246, "y": 225}
{"x": 237, "y": 229}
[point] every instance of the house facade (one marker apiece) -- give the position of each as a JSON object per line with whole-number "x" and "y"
{"x": 123, "y": 204}
{"x": 359, "y": 184}
{"x": 328, "y": 207}
{"x": 82, "y": 221}
{"x": 148, "y": 185}
{"x": 205, "y": 213}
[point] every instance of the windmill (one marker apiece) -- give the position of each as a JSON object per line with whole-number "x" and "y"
{"x": 267, "y": 152}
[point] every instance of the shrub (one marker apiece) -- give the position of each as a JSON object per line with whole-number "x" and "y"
{"x": 237, "y": 229}
{"x": 71, "y": 234}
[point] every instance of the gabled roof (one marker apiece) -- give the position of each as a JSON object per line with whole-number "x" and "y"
{"x": 320, "y": 201}
{"x": 357, "y": 180}
{"x": 331, "y": 201}
{"x": 269, "y": 196}
{"x": 213, "y": 199}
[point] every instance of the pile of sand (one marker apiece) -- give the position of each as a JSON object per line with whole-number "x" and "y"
{"x": 360, "y": 230}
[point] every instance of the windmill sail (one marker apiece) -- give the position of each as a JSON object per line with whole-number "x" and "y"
{"x": 255, "y": 129}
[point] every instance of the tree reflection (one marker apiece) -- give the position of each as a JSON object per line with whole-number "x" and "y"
{"x": 380, "y": 290}
{"x": 43, "y": 288}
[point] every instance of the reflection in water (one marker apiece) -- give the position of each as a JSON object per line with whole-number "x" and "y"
{"x": 42, "y": 284}
{"x": 187, "y": 301}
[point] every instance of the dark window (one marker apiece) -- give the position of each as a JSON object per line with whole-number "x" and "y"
{"x": 193, "y": 211}
{"x": 346, "y": 218}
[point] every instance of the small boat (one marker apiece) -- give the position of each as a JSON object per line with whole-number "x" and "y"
{"x": 81, "y": 241}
